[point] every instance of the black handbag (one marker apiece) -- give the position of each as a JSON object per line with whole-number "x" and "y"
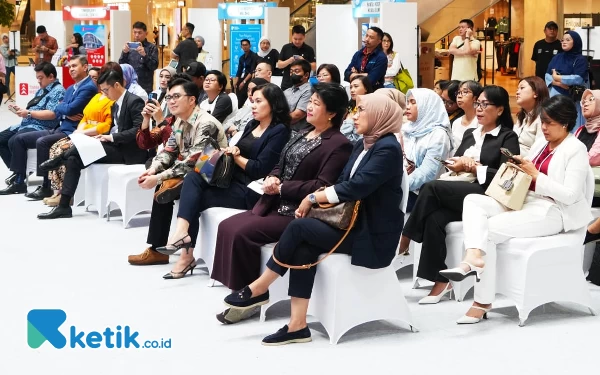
{"x": 38, "y": 99}
{"x": 576, "y": 92}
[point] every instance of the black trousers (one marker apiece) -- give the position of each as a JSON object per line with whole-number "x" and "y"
{"x": 30, "y": 140}
{"x": 7, "y": 139}
{"x": 439, "y": 203}
{"x": 160, "y": 223}
{"x": 197, "y": 195}
{"x": 74, "y": 166}
{"x": 301, "y": 243}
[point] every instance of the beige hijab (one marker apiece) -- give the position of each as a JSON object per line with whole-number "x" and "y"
{"x": 384, "y": 116}
{"x": 396, "y": 95}
{"x": 592, "y": 124}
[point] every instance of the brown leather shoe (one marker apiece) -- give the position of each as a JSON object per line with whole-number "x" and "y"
{"x": 148, "y": 258}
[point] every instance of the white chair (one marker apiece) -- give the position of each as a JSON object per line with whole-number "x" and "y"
{"x": 31, "y": 167}
{"x": 209, "y": 225}
{"x": 588, "y": 253}
{"x": 536, "y": 271}
{"x": 234, "y": 104}
{"x": 124, "y": 191}
{"x": 276, "y": 80}
{"x": 96, "y": 187}
{"x": 345, "y": 296}
{"x": 79, "y": 197}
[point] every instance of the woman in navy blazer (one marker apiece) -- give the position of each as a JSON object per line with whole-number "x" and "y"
{"x": 373, "y": 175}
{"x": 255, "y": 154}
{"x": 313, "y": 158}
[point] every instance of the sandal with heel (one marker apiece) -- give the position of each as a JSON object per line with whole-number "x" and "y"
{"x": 176, "y": 246}
{"x": 181, "y": 274}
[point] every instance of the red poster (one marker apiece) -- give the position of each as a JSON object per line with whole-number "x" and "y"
{"x": 96, "y": 57}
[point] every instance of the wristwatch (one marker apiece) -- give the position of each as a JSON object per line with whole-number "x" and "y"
{"x": 312, "y": 198}
{"x": 28, "y": 115}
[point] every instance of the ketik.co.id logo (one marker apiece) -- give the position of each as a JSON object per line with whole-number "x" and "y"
{"x": 43, "y": 325}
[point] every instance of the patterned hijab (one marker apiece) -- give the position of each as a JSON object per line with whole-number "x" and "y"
{"x": 129, "y": 75}
{"x": 384, "y": 116}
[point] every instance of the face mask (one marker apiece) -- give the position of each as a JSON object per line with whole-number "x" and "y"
{"x": 296, "y": 78}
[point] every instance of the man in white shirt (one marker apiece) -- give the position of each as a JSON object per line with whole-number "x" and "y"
{"x": 465, "y": 49}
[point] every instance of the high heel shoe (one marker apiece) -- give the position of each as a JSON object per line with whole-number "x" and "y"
{"x": 458, "y": 274}
{"x": 176, "y": 246}
{"x": 431, "y": 300}
{"x": 471, "y": 319}
{"x": 178, "y": 275}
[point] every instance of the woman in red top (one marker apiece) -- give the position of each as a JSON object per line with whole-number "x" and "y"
{"x": 556, "y": 202}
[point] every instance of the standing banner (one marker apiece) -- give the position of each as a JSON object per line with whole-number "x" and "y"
{"x": 94, "y": 41}
{"x": 369, "y": 8}
{"x": 252, "y": 32}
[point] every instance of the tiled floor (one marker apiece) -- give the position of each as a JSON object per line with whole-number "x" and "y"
{"x": 80, "y": 265}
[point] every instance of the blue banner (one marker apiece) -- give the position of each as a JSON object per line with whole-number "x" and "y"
{"x": 369, "y": 8}
{"x": 243, "y": 11}
{"x": 251, "y": 32}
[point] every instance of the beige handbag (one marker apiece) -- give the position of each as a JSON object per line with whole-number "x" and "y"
{"x": 509, "y": 186}
{"x": 458, "y": 176}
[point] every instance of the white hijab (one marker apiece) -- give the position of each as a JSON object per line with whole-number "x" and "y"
{"x": 432, "y": 114}
{"x": 262, "y": 53}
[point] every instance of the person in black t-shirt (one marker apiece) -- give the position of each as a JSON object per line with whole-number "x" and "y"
{"x": 545, "y": 49}
{"x": 187, "y": 50}
{"x": 295, "y": 50}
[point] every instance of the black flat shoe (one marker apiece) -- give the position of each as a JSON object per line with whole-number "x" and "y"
{"x": 10, "y": 179}
{"x": 243, "y": 299}
{"x": 52, "y": 164}
{"x": 57, "y": 212}
{"x": 283, "y": 337}
{"x": 14, "y": 189}
{"x": 40, "y": 193}
{"x": 591, "y": 237}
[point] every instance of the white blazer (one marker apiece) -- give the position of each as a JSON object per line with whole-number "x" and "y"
{"x": 566, "y": 181}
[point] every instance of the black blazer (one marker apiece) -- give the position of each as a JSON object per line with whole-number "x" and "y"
{"x": 129, "y": 121}
{"x": 490, "y": 150}
{"x": 377, "y": 182}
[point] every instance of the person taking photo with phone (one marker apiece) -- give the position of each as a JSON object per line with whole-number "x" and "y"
{"x": 465, "y": 49}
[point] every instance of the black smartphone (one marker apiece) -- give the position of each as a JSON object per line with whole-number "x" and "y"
{"x": 506, "y": 152}
{"x": 152, "y": 96}
{"x": 444, "y": 162}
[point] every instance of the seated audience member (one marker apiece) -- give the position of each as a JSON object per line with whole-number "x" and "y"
{"x": 243, "y": 115}
{"x": 46, "y": 99}
{"x": 449, "y": 98}
{"x": 191, "y": 132}
{"x": 197, "y": 71}
{"x": 164, "y": 78}
{"x": 255, "y": 155}
{"x": 531, "y": 93}
{"x": 556, "y": 202}
{"x": 441, "y": 202}
{"x": 399, "y": 97}
{"x": 588, "y": 134}
{"x": 360, "y": 85}
{"x": 263, "y": 70}
{"x": 440, "y": 86}
{"x": 373, "y": 175}
{"x": 313, "y": 158}
{"x": 267, "y": 54}
{"x": 299, "y": 94}
{"x": 131, "y": 83}
{"x": 69, "y": 111}
{"x": 393, "y": 61}
{"x": 217, "y": 102}
{"x": 328, "y": 73}
{"x": 426, "y": 137}
{"x": 94, "y": 73}
{"x": 120, "y": 145}
{"x": 369, "y": 61}
{"x": 97, "y": 119}
{"x": 465, "y": 97}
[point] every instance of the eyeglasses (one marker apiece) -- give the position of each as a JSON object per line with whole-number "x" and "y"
{"x": 174, "y": 97}
{"x": 210, "y": 80}
{"x": 323, "y": 75}
{"x": 359, "y": 109}
{"x": 105, "y": 91}
{"x": 483, "y": 105}
{"x": 463, "y": 93}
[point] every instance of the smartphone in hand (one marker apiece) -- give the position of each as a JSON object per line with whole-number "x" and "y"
{"x": 444, "y": 162}
{"x": 152, "y": 96}
{"x": 506, "y": 152}
{"x": 13, "y": 109}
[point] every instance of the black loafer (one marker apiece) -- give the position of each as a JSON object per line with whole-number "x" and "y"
{"x": 283, "y": 337}
{"x": 14, "y": 189}
{"x": 40, "y": 193}
{"x": 232, "y": 316}
{"x": 51, "y": 164}
{"x": 57, "y": 212}
{"x": 243, "y": 299}
{"x": 10, "y": 179}
{"x": 591, "y": 237}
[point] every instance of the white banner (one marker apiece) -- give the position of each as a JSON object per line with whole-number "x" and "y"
{"x": 26, "y": 85}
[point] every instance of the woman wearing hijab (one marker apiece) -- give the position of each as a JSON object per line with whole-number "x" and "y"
{"x": 567, "y": 69}
{"x": 373, "y": 175}
{"x": 394, "y": 94}
{"x": 268, "y": 54}
{"x": 441, "y": 202}
{"x": 426, "y": 138}
{"x": 131, "y": 85}
{"x": 202, "y": 53}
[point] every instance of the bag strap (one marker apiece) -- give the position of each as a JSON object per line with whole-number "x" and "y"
{"x": 310, "y": 265}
